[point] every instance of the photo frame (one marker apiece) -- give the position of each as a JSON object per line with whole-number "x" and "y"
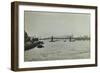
{"x": 52, "y": 36}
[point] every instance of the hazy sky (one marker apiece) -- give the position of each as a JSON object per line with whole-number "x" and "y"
{"x": 44, "y": 24}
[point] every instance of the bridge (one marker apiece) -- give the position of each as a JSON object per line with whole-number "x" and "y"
{"x": 70, "y": 38}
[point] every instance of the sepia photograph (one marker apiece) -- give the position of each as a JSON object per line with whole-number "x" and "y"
{"x": 56, "y": 36}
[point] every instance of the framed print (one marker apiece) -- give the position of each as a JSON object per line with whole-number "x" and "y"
{"x": 52, "y": 36}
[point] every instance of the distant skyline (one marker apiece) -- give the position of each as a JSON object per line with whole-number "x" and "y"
{"x": 45, "y": 24}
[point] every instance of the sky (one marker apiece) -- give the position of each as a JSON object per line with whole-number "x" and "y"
{"x": 45, "y": 24}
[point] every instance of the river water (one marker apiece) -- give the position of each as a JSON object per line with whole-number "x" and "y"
{"x": 59, "y": 50}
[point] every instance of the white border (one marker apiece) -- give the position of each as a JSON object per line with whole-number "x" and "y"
{"x": 23, "y": 64}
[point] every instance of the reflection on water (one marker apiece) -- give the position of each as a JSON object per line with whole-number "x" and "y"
{"x": 59, "y": 50}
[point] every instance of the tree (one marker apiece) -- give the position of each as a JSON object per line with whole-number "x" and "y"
{"x": 26, "y": 37}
